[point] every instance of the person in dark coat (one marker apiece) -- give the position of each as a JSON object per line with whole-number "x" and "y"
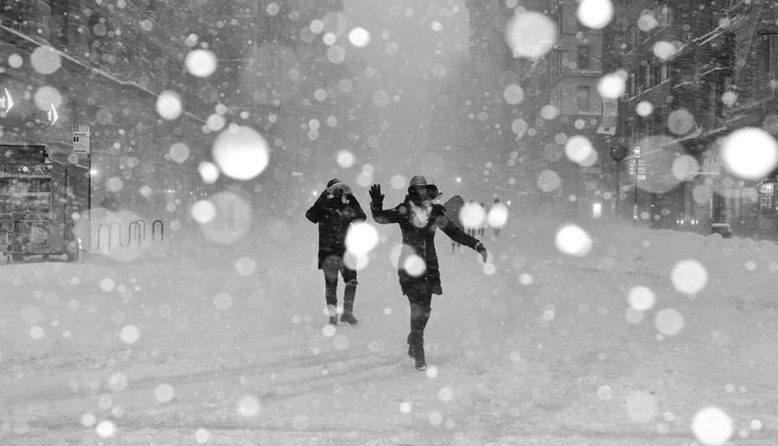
{"x": 334, "y": 210}
{"x": 453, "y": 207}
{"x": 419, "y": 218}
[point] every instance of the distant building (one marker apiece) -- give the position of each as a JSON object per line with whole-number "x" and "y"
{"x": 562, "y": 102}
{"x": 693, "y": 76}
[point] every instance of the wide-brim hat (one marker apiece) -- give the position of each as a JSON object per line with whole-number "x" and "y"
{"x": 420, "y": 181}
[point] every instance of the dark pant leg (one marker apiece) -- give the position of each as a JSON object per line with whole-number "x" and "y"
{"x": 331, "y": 267}
{"x": 350, "y": 279}
{"x": 420, "y": 314}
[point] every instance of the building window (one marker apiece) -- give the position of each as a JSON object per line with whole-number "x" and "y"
{"x": 584, "y": 57}
{"x": 656, "y": 75}
{"x": 583, "y": 98}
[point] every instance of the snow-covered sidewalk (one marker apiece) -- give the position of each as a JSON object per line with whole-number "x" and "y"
{"x": 224, "y": 346}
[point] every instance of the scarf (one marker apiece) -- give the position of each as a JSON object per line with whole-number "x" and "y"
{"x": 420, "y": 215}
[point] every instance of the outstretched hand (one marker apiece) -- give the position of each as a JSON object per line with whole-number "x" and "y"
{"x": 481, "y": 249}
{"x": 375, "y": 193}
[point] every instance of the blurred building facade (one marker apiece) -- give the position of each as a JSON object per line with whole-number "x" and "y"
{"x": 562, "y": 102}
{"x": 77, "y": 63}
{"x": 693, "y": 75}
{"x": 485, "y": 115}
{"x": 115, "y": 59}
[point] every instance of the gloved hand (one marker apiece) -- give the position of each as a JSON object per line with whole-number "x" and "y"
{"x": 375, "y": 193}
{"x": 481, "y": 249}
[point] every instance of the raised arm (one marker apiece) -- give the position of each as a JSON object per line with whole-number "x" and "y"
{"x": 381, "y": 215}
{"x": 318, "y": 210}
{"x": 460, "y": 236}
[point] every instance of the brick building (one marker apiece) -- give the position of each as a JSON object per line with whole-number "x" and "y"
{"x": 694, "y": 75}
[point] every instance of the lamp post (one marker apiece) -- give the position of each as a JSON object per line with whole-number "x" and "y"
{"x": 636, "y": 155}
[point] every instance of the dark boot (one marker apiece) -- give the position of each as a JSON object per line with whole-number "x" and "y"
{"x": 416, "y": 349}
{"x": 348, "y": 305}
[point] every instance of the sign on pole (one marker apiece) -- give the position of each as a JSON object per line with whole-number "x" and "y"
{"x": 82, "y": 135}
{"x": 636, "y": 152}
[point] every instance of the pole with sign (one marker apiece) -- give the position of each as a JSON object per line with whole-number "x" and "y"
{"x": 82, "y": 136}
{"x": 636, "y": 155}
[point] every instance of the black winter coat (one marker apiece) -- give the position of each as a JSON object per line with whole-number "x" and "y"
{"x": 334, "y": 218}
{"x": 420, "y": 241}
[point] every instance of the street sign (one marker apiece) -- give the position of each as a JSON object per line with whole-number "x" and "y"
{"x": 82, "y": 135}
{"x": 636, "y": 152}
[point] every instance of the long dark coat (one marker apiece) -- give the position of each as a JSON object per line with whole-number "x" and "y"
{"x": 334, "y": 218}
{"x": 420, "y": 241}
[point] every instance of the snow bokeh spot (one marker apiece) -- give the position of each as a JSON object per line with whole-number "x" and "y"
{"x": 513, "y": 94}
{"x": 345, "y": 159}
{"x": 208, "y": 172}
{"x": 201, "y": 62}
{"x": 179, "y": 152}
{"x": 680, "y": 121}
{"x": 642, "y": 407}
{"x": 549, "y": 181}
{"x": 526, "y": 279}
{"x": 245, "y": 266}
{"x": 498, "y": 215}
{"x": 573, "y": 240}
{"x": 431, "y": 372}
{"x": 88, "y": 420}
{"x": 664, "y": 50}
{"x": 595, "y": 14}
{"x": 169, "y": 105}
{"x": 644, "y": 108}
{"x": 46, "y": 97}
{"x": 37, "y": 332}
{"x": 689, "y": 276}
{"x": 359, "y": 37}
{"x": 129, "y": 334}
{"x": 15, "y": 61}
{"x": 669, "y": 322}
{"x": 203, "y": 211}
{"x": 406, "y": 407}
{"x": 579, "y": 150}
{"x": 248, "y": 406}
{"x": 750, "y": 153}
{"x": 117, "y": 382}
{"x": 164, "y": 393}
{"x": 613, "y": 85}
{"x": 472, "y": 215}
{"x": 241, "y": 152}
{"x": 685, "y": 168}
{"x": 215, "y": 122}
{"x": 398, "y": 182}
{"x": 641, "y": 298}
{"x": 414, "y": 265}
{"x": 361, "y": 238}
{"x": 105, "y": 429}
{"x": 530, "y": 34}
{"x": 605, "y": 393}
{"x": 202, "y": 435}
{"x": 647, "y": 21}
{"x": 45, "y": 60}
{"x": 712, "y": 426}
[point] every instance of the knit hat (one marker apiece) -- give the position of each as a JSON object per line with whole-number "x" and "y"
{"x": 418, "y": 180}
{"x": 332, "y": 181}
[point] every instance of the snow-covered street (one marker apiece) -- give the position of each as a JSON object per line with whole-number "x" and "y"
{"x": 209, "y": 345}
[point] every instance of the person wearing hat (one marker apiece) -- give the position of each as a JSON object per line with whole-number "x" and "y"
{"x": 334, "y": 210}
{"x": 419, "y": 217}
